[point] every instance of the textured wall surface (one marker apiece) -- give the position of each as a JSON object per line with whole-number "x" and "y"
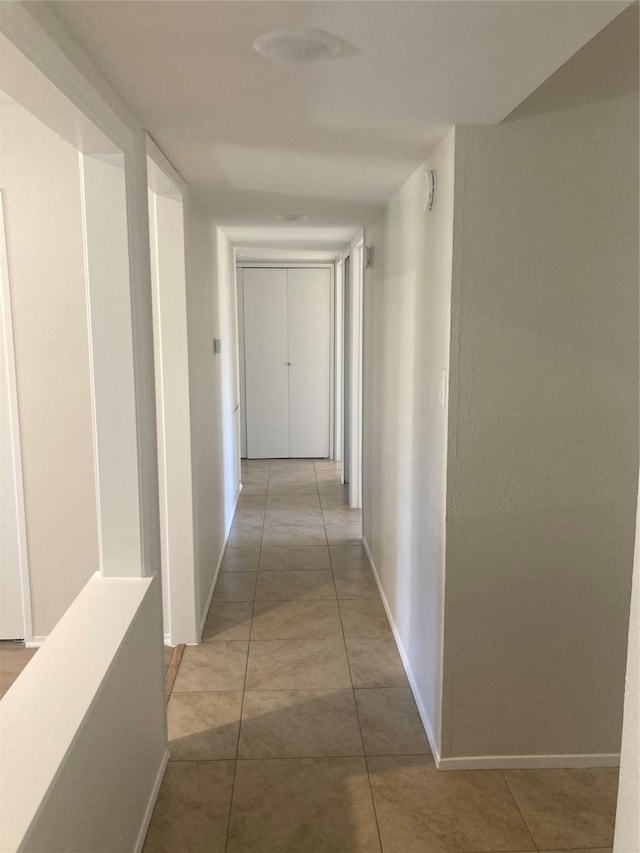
{"x": 406, "y": 345}
{"x": 43, "y": 213}
{"x": 543, "y": 441}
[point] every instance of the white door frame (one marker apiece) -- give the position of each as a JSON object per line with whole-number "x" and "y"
{"x": 356, "y": 266}
{"x": 6, "y": 324}
{"x": 175, "y": 483}
{"x": 333, "y": 402}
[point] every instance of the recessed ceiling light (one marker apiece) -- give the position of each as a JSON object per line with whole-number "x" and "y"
{"x": 292, "y": 217}
{"x": 297, "y": 46}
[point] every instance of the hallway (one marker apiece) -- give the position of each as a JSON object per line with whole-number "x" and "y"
{"x": 292, "y": 726}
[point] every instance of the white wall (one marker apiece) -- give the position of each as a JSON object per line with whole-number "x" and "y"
{"x": 174, "y": 426}
{"x": 84, "y": 737}
{"x": 108, "y": 286}
{"x": 543, "y": 434}
{"x": 213, "y": 386}
{"x": 89, "y": 776}
{"x": 627, "y": 836}
{"x": 406, "y": 344}
{"x": 41, "y": 189}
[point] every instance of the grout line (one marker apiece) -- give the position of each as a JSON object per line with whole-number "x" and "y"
{"x": 244, "y": 690}
{"x": 520, "y": 812}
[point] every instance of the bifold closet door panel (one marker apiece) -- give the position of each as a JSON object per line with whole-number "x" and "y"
{"x": 266, "y": 370}
{"x": 309, "y": 325}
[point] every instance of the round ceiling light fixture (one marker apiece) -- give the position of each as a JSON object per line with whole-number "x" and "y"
{"x": 298, "y": 47}
{"x": 292, "y": 217}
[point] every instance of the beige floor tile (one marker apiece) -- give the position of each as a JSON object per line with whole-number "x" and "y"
{"x": 228, "y": 620}
{"x": 301, "y": 475}
{"x": 302, "y": 806}
{"x": 282, "y": 488}
{"x": 343, "y": 526}
{"x": 240, "y": 560}
{"x": 254, "y": 476}
{"x": 293, "y": 502}
{"x": 235, "y": 586}
{"x": 375, "y": 663}
{"x": 297, "y": 665}
{"x": 299, "y": 558}
{"x": 328, "y": 465}
{"x": 356, "y": 583}
{"x": 340, "y": 536}
{"x": 203, "y": 726}
{"x": 192, "y": 809}
{"x": 294, "y": 586}
{"x": 344, "y": 516}
{"x": 249, "y": 517}
{"x": 363, "y": 619}
{"x": 303, "y": 534}
{"x": 292, "y": 464}
{"x": 390, "y": 722}
{"x": 212, "y": 666}
{"x": 334, "y": 500}
{"x": 349, "y": 557}
{"x": 567, "y": 808}
{"x": 286, "y": 517}
{"x": 327, "y": 487}
{"x": 254, "y": 488}
{"x": 248, "y": 465}
{"x": 288, "y": 620}
{"x": 244, "y": 536}
{"x": 421, "y": 809}
{"x": 13, "y": 659}
{"x": 252, "y": 501}
{"x": 299, "y": 723}
{"x": 327, "y": 475}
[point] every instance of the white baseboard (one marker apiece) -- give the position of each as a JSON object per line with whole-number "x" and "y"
{"x": 426, "y": 722}
{"x": 148, "y": 812}
{"x": 34, "y": 642}
{"x": 483, "y": 762}
{"x": 527, "y": 762}
{"x": 203, "y": 620}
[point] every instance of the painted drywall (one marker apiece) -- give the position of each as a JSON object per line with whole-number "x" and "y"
{"x": 42, "y": 197}
{"x": 627, "y": 835}
{"x": 108, "y": 286}
{"x": 67, "y": 783}
{"x": 407, "y": 296}
{"x": 179, "y": 569}
{"x": 123, "y": 736}
{"x": 213, "y": 392}
{"x": 543, "y": 434}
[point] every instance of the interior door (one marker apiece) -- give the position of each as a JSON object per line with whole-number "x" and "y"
{"x": 266, "y": 363}
{"x": 309, "y": 332}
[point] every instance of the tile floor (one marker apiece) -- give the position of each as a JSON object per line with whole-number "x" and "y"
{"x": 13, "y": 659}
{"x": 292, "y": 726}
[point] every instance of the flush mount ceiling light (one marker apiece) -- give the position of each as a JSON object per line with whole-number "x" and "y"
{"x": 292, "y": 217}
{"x": 297, "y": 47}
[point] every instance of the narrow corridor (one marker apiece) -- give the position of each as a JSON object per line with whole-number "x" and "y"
{"x": 292, "y": 726}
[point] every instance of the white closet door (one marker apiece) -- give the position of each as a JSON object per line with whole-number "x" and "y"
{"x": 266, "y": 371}
{"x": 309, "y": 326}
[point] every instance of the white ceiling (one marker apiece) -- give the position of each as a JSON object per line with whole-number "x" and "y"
{"x": 330, "y": 140}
